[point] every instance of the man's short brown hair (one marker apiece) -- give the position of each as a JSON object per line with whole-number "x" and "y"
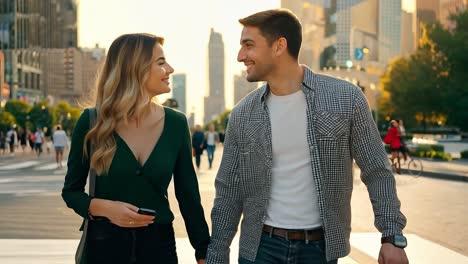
{"x": 276, "y": 23}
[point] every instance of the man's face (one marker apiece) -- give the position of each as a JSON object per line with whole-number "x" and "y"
{"x": 256, "y": 54}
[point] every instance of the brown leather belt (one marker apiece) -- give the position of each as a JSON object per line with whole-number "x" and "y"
{"x": 289, "y": 234}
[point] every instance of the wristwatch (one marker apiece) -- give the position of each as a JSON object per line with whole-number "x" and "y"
{"x": 396, "y": 240}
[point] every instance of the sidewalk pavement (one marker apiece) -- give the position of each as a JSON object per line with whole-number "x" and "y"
{"x": 62, "y": 251}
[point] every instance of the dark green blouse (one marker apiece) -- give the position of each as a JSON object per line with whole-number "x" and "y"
{"x": 143, "y": 186}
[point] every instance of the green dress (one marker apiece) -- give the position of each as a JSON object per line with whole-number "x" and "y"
{"x": 143, "y": 186}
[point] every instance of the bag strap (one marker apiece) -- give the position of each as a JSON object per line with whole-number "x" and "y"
{"x": 92, "y": 173}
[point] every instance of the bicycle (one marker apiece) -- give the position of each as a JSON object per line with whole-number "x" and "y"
{"x": 412, "y": 165}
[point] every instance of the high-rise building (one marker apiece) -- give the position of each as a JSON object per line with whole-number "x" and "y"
{"x": 426, "y": 11}
{"x": 71, "y": 73}
{"x": 214, "y": 102}
{"x": 26, "y": 28}
{"x": 242, "y": 87}
{"x": 429, "y": 11}
{"x": 312, "y": 16}
{"x": 407, "y": 33}
{"x": 389, "y": 34}
{"x": 4, "y": 91}
{"x": 191, "y": 119}
{"x": 179, "y": 91}
{"x": 448, "y": 7}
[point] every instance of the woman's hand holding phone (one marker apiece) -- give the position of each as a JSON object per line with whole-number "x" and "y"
{"x": 120, "y": 213}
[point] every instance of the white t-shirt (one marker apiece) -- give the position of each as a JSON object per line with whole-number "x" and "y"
{"x": 210, "y": 138}
{"x": 293, "y": 200}
{"x": 60, "y": 138}
{"x": 39, "y": 137}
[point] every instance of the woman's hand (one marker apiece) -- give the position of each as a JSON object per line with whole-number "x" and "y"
{"x": 119, "y": 213}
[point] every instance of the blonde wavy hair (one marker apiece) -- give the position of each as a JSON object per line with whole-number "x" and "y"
{"x": 121, "y": 94}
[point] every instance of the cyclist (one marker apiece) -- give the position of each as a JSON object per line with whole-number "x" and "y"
{"x": 393, "y": 139}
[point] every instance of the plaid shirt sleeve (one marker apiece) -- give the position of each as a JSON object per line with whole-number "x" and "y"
{"x": 227, "y": 207}
{"x": 370, "y": 155}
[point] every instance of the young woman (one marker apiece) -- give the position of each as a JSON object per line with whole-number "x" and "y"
{"x": 138, "y": 146}
{"x": 393, "y": 138}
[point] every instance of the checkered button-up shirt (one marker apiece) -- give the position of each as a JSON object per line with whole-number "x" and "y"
{"x": 340, "y": 129}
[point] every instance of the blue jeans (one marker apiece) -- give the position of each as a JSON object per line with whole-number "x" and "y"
{"x": 210, "y": 149}
{"x": 278, "y": 250}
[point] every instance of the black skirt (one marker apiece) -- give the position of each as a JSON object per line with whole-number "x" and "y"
{"x": 108, "y": 243}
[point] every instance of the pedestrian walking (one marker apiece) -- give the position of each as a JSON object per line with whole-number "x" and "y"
{"x": 198, "y": 144}
{"x": 12, "y": 140}
{"x": 60, "y": 141}
{"x": 2, "y": 142}
{"x": 211, "y": 139}
{"x": 38, "y": 140}
{"x": 22, "y": 139}
{"x": 288, "y": 159}
{"x": 31, "y": 139}
{"x": 139, "y": 148}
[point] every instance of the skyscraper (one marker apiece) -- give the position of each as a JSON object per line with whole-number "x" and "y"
{"x": 427, "y": 11}
{"x": 448, "y": 7}
{"x": 26, "y": 29}
{"x": 179, "y": 91}
{"x": 242, "y": 87}
{"x": 311, "y": 13}
{"x": 214, "y": 102}
{"x": 389, "y": 30}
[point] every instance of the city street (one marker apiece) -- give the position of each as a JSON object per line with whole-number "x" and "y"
{"x": 34, "y": 215}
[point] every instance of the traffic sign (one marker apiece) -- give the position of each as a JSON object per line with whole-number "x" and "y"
{"x": 358, "y": 54}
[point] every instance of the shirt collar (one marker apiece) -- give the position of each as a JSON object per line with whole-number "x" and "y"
{"x": 307, "y": 83}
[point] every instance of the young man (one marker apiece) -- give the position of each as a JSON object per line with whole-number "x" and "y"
{"x": 60, "y": 141}
{"x": 211, "y": 139}
{"x": 288, "y": 158}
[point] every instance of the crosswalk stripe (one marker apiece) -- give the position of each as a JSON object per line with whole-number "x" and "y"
{"x": 48, "y": 166}
{"x": 19, "y": 165}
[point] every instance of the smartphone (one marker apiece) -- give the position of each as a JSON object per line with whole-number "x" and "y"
{"x": 146, "y": 211}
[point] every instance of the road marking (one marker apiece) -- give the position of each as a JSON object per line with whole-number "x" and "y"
{"x": 20, "y": 165}
{"x": 49, "y": 166}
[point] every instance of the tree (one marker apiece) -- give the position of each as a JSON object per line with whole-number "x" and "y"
{"x": 41, "y": 116}
{"x": 6, "y": 121}
{"x": 428, "y": 88}
{"x": 451, "y": 44}
{"x": 65, "y": 115}
{"x": 19, "y": 110}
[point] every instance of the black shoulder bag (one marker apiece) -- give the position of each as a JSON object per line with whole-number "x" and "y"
{"x": 80, "y": 255}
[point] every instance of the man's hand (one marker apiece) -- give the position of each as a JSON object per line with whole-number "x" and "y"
{"x": 201, "y": 261}
{"x": 389, "y": 254}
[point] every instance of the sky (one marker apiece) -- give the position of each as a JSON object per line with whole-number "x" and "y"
{"x": 185, "y": 25}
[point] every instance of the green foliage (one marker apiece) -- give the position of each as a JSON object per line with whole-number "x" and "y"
{"x": 221, "y": 122}
{"x": 464, "y": 154}
{"x": 436, "y": 155}
{"x": 429, "y": 87}
{"x": 19, "y": 110}
{"x": 6, "y": 121}
{"x": 422, "y": 150}
{"x": 65, "y": 115}
{"x": 41, "y": 116}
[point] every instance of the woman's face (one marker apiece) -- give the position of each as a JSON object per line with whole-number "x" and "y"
{"x": 158, "y": 75}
